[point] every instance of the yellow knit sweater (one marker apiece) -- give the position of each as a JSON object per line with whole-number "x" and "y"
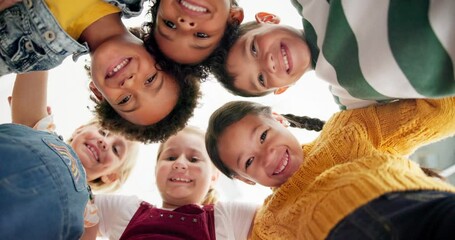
{"x": 360, "y": 155}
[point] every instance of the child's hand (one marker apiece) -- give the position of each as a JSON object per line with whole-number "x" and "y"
{"x": 91, "y": 217}
{"x": 4, "y": 4}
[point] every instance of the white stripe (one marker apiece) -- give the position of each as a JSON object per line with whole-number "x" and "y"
{"x": 442, "y": 20}
{"x": 368, "y": 20}
{"x": 325, "y": 71}
{"x": 316, "y": 12}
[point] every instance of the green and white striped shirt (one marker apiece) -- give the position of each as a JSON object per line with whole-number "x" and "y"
{"x": 371, "y": 51}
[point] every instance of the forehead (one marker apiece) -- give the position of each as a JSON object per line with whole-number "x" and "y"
{"x": 186, "y": 139}
{"x": 242, "y": 67}
{"x": 239, "y": 131}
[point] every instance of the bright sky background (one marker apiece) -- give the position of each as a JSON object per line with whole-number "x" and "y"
{"x": 68, "y": 95}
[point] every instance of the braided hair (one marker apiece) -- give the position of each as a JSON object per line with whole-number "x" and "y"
{"x": 311, "y": 124}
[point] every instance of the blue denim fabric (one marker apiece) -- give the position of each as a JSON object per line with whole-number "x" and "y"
{"x": 409, "y": 215}
{"x": 43, "y": 188}
{"x": 31, "y": 38}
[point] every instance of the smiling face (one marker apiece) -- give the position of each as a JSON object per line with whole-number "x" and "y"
{"x": 125, "y": 75}
{"x": 187, "y": 31}
{"x": 259, "y": 149}
{"x": 184, "y": 172}
{"x": 267, "y": 58}
{"x": 100, "y": 152}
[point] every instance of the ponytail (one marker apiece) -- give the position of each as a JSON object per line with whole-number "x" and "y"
{"x": 312, "y": 124}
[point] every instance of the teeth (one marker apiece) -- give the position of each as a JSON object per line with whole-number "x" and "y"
{"x": 283, "y": 165}
{"x": 285, "y": 59}
{"x": 193, "y": 7}
{"x": 180, "y": 180}
{"x": 118, "y": 67}
{"x": 93, "y": 150}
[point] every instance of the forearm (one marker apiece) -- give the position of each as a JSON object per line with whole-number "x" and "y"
{"x": 29, "y": 98}
{"x": 409, "y": 124}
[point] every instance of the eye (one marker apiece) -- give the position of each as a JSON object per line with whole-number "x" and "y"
{"x": 151, "y": 79}
{"x": 261, "y": 79}
{"x": 171, "y": 158}
{"x": 194, "y": 159}
{"x": 170, "y": 24}
{"x": 248, "y": 162}
{"x": 253, "y": 49}
{"x": 263, "y": 136}
{"x": 115, "y": 149}
{"x": 124, "y": 100}
{"x": 103, "y": 132}
{"x": 201, "y": 35}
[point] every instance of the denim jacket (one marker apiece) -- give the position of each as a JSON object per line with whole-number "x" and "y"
{"x": 32, "y": 40}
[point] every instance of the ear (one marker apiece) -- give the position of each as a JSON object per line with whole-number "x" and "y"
{"x": 245, "y": 180}
{"x": 214, "y": 179}
{"x": 279, "y": 118}
{"x": 280, "y": 90}
{"x": 95, "y": 91}
{"x": 109, "y": 178}
{"x": 263, "y": 17}
{"x": 236, "y": 15}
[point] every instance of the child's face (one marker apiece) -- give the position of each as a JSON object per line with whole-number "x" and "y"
{"x": 125, "y": 75}
{"x": 267, "y": 58}
{"x": 101, "y": 152}
{"x": 188, "y": 31}
{"x": 184, "y": 172}
{"x": 260, "y": 149}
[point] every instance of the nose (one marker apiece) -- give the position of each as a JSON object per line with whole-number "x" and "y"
{"x": 102, "y": 145}
{"x": 127, "y": 82}
{"x": 186, "y": 23}
{"x": 270, "y": 63}
{"x": 268, "y": 155}
{"x": 180, "y": 163}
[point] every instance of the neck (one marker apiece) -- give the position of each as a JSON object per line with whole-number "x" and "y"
{"x": 103, "y": 29}
{"x": 172, "y": 206}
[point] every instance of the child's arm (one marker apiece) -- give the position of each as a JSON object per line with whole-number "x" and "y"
{"x": 90, "y": 233}
{"x": 29, "y": 99}
{"x": 406, "y": 125}
{"x": 4, "y": 4}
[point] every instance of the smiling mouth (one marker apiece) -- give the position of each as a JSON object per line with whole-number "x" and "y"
{"x": 193, "y": 7}
{"x": 283, "y": 164}
{"x": 180, "y": 180}
{"x": 284, "y": 54}
{"x": 94, "y": 152}
{"x": 118, "y": 67}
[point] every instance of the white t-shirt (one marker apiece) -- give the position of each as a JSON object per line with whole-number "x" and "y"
{"x": 232, "y": 219}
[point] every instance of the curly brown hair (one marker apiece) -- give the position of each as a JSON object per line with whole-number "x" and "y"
{"x": 189, "y": 94}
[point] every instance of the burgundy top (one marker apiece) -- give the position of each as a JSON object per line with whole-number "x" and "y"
{"x": 186, "y": 222}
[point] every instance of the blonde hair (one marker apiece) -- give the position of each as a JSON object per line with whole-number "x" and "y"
{"x": 212, "y": 195}
{"x": 124, "y": 170}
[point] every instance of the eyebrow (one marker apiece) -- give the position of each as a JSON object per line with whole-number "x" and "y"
{"x": 199, "y": 47}
{"x": 164, "y": 35}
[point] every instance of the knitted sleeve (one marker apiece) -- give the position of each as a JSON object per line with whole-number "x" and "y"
{"x": 406, "y": 125}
